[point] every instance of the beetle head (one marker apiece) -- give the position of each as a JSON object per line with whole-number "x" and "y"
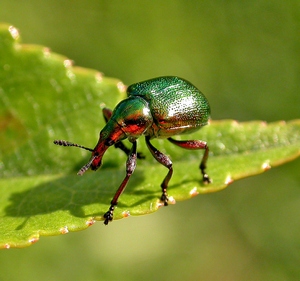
{"x": 130, "y": 119}
{"x": 110, "y": 135}
{"x": 133, "y": 117}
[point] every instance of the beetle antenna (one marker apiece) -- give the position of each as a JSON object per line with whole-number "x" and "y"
{"x": 86, "y": 166}
{"x": 67, "y": 143}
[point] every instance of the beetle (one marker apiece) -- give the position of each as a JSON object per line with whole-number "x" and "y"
{"x": 157, "y": 108}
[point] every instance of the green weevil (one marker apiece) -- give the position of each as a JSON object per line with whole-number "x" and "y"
{"x": 157, "y": 108}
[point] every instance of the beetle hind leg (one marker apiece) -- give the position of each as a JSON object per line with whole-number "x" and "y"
{"x": 164, "y": 160}
{"x": 195, "y": 144}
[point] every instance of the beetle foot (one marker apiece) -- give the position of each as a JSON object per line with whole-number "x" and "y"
{"x": 108, "y": 216}
{"x": 206, "y": 179}
{"x": 164, "y": 198}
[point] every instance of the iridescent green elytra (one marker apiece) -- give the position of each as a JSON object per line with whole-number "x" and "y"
{"x": 176, "y": 105}
{"x": 157, "y": 108}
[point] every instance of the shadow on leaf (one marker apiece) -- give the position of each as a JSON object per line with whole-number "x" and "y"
{"x": 82, "y": 197}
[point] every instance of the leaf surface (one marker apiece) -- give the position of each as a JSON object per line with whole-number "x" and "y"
{"x": 43, "y": 97}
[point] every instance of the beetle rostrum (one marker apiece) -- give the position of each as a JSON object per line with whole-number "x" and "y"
{"x": 157, "y": 108}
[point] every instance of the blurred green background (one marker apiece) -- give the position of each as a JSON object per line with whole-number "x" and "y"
{"x": 245, "y": 57}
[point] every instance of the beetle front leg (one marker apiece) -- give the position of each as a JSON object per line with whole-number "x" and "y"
{"x": 164, "y": 160}
{"x": 130, "y": 167}
{"x": 195, "y": 144}
{"x": 107, "y": 114}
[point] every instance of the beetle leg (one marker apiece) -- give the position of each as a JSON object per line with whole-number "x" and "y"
{"x": 130, "y": 166}
{"x": 164, "y": 160}
{"x": 107, "y": 114}
{"x": 196, "y": 144}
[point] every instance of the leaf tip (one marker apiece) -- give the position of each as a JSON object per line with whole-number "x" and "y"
{"x": 90, "y": 222}
{"x": 121, "y": 87}
{"x": 14, "y": 32}
{"x": 64, "y": 230}
{"x": 172, "y": 201}
{"x": 266, "y": 166}
{"x": 194, "y": 192}
{"x": 229, "y": 180}
{"x": 99, "y": 76}
{"x": 33, "y": 240}
{"x": 68, "y": 63}
{"x": 125, "y": 214}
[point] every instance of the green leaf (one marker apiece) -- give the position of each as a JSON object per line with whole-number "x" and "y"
{"x": 43, "y": 97}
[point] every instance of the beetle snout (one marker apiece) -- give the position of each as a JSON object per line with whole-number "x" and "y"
{"x": 97, "y": 154}
{"x": 96, "y": 164}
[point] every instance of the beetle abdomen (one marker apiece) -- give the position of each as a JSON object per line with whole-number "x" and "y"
{"x": 176, "y": 105}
